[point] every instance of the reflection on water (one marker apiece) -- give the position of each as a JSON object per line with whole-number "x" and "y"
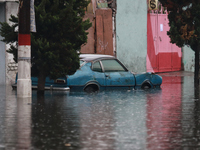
{"x": 164, "y": 115}
{"x": 108, "y": 120}
{"x": 2, "y": 115}
{"x": 15, "y": 121}
{"x": 157, "y": 119}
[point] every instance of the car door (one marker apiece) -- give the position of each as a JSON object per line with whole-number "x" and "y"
{"x": 98, "y": 73}
{"x": 116, "y": 74}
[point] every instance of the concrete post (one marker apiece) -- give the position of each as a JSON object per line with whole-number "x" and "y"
{"x": 24, "y": 51}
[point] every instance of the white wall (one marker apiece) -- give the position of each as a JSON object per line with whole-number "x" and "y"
{"x": 188, "y": 59}
{"x": 131, "y": 34}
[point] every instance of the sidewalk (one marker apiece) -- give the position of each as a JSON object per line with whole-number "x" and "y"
{"x": 176, "y": 73}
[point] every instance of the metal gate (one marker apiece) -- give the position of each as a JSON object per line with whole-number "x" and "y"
{"x": 162, "y": 56}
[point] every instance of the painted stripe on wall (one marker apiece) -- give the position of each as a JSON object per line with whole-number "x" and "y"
{"x": 24, "y": 39}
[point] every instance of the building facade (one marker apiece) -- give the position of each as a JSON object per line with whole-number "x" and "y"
{"x": 119, "y": 28}
{"x": 7, "y": 65}
{"x": 142, "y": 40}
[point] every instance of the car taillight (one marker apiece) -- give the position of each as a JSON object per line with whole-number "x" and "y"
{"x": 59, "y": 81}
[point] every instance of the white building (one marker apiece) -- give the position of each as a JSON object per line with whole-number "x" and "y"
{"x": 8, "y": 68}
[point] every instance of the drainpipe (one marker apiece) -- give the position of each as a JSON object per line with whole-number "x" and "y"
{"x": 114, "y": 11}
{"x": 114, "y": 36}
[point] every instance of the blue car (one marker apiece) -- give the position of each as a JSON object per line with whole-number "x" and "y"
{"x": 58, "y": 84}
{"x": 101, "y": 72}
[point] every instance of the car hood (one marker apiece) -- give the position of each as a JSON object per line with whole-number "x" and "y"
{"x": 152, "y": 77}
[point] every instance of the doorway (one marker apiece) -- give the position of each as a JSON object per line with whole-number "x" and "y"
{"x": 162, "y": 56}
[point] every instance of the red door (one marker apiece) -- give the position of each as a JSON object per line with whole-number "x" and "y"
{"x": 162, "y": 56}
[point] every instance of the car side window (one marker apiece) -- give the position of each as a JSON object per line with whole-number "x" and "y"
{"x": 112, "y": 65}
{"x": 81, "y": 61}
{"x": 97, "y": 67}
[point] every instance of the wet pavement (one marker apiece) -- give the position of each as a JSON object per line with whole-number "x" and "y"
{"x": 156, "y": 119}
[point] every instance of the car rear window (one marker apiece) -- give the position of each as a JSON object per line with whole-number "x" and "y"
{"x": 97, "y": 67}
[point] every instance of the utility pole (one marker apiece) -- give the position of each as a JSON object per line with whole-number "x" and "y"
{"x": 24, "y": 88}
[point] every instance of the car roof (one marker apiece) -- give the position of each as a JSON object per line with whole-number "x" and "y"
{"x": 92, "y": 57}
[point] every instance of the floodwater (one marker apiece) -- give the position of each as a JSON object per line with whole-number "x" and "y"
{"x": 156, "y": 119}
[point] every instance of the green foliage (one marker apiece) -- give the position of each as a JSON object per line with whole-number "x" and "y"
{"x": 10, "y": 36}
{"x": 60, "y": 33}
{"x": 184, "y": 22}
{"x": 8, "y": 31}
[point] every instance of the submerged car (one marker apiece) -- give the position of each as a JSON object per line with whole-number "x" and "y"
{"x": 100, "y": 72}
{"x": 58, "y": 84}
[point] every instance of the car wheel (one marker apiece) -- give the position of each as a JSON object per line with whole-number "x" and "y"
{"x": 146, "y": 86}
{"x": 91, "y": 88}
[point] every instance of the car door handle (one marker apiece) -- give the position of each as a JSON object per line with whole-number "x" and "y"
{"x": 107, "y": 75}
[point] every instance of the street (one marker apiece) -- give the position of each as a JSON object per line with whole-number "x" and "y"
{"x": 155, "y": 119}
